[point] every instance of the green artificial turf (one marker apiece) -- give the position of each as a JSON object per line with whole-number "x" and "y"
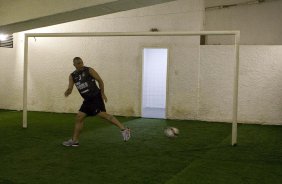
{"x": 201, "y": 154}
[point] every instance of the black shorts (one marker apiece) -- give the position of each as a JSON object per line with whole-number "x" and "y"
{"x": 92, "y": 106}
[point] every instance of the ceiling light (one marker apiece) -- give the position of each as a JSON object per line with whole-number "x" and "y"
{"x": 3, "y": 37}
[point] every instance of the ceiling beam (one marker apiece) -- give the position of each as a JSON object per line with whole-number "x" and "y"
{"x": 83, "y": 13}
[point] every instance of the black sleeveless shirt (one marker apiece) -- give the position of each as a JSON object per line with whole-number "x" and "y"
{"x": 85, "y": 83}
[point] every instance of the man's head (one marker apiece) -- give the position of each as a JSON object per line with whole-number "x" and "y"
{"x": 78, "y": 63}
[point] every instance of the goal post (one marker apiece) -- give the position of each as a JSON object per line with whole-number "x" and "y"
{"x": 236, "y": 35}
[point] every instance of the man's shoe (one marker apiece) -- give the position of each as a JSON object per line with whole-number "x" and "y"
{"x": 71, "y": 143}
{"x": 126, "y": 134}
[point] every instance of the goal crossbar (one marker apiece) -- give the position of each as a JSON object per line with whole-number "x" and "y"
{"x": 103, "y": 34}
{"x": 236, "y": 35}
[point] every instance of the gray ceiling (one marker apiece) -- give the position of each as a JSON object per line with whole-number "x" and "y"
{"x": 31, "y": 14}
{"x": 209, "y": 3}
{"x": 230, "y": 3}
{"x": 21, "y": 15}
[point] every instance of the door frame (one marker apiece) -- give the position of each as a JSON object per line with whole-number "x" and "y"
{"x": 167, "y": 74}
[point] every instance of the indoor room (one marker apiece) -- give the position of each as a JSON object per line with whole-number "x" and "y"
{"x": 141, "y": 91}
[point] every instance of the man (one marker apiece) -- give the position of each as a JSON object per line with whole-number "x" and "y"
{"x": 84, "y": 80}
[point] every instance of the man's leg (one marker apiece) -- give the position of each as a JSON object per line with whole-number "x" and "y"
{"x": 77, "y": 129}
{"x": 78, "y": 125}
{"x": 124, "y": 131}
{"x": 112, "y": 119}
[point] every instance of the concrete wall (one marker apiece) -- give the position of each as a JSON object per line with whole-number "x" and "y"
{"x": 11, "y": 76}
{"x": 259, "y": 24}
{"x": 216, "y": 83}
{"x": 117, "y": 60}
{"x": 260, "y": 84}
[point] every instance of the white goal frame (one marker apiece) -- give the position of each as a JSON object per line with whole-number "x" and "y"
{"x": 236, "y": 35}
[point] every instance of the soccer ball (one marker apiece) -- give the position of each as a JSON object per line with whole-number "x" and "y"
{"x": 171, "y": 132}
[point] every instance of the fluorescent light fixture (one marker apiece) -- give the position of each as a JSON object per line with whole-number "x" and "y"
{"x": 3, "y": 37}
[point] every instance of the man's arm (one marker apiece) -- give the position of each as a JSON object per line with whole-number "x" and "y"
{"x": 70, "y": 87}
{"x": 94, "y": 74}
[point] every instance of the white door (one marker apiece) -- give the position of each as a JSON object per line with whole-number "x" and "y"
{"x": 154, "y": 82}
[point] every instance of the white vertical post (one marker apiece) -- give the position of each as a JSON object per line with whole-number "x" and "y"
{"x": 25, "y": 82}
{"x": 235, "y": 93}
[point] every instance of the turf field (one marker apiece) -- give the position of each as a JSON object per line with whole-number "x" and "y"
{"x": 202, "y": 154}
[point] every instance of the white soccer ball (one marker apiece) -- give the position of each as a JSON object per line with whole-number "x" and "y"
{"x": 171, "y": 132}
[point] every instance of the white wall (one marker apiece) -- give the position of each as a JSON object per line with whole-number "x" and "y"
{"x": 260, "y": 84}
{"x": 200, "y": 82}
{"x": 115, "y": 59}
{"x": 11, "y": 72}
{"x": 216, "y": 83}
{"x": 260, "y": 24}
{"x": 260, "y": 78}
